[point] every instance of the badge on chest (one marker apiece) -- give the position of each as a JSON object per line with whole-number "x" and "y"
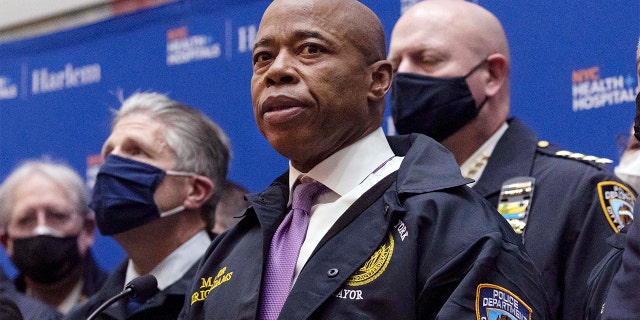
{"x": 515, "y": 199}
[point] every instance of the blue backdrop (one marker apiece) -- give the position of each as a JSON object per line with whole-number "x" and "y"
{"x": 573, "y": 79}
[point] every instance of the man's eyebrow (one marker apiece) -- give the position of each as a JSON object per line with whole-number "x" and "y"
{"x": 297, "y": 36}
{"x": 305, "y": 34}
{"x": 262, "y": 42}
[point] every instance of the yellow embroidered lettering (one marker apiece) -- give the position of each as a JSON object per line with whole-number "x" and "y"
{"x": 209, "y": 284}
{"x": 206, "y": 283}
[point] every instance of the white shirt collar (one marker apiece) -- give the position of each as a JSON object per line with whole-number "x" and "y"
{"x": 359, "y": 160}
{"x": 475, "y": 164}
{"x": 174, "y": 266}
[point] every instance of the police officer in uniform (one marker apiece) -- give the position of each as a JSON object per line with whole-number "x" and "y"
{"x": 452, "y": 83}
{"x": 395, "y": 232}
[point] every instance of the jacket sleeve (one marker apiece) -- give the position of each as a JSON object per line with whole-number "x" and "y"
{"x": 490, "y": 278}
{"x": 623, "y": 299}
{"x": 472, "y": 265}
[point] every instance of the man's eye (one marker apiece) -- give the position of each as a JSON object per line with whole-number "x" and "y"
{"x": 261, "y": 57}
{"x": 25, "y": 221}
{"x": 59, "y": 216}
{"x": 310, "y": 49}
{"x": 135, "y": 151}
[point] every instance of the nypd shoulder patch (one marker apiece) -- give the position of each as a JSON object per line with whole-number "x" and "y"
{"x": 497, "y": 303}
{"x": 617, "y": 203}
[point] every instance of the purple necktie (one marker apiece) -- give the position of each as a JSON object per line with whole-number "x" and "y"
{"x": 285, "y": 248}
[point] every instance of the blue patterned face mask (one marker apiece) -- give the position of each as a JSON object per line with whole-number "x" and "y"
{"x": 436, "y": 107}
{"x": 123, "y": 194}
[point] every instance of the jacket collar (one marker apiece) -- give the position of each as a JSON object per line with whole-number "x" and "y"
{"x": 115, "y": 284}
{"x": 427, "y": 165}
{"x": 517, "y": 148}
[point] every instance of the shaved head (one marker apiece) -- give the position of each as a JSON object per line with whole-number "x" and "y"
{"x": 469, "y": 24}
{"x": 319, "y": 77}
{"x": 449, "y": 39}
{"x": 350, "y": 18}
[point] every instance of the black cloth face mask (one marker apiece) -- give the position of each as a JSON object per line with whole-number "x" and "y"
{"x": 436, "y": 107}
{"x": 46, "y": 259}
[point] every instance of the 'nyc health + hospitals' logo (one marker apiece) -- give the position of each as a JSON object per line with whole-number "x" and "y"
{"x": 185, "y": 48}
{"x": 591, "y": 90}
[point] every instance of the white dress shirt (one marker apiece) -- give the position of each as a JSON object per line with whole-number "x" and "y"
{"x": 174, "y": 266}
{"x": 348, "y": 173}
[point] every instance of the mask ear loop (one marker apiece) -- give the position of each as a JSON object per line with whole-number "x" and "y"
{"x": 474, "y": 69}
{"x": 179, "y": 208}
{"x": 180, "y": 173}
{"x": 171, "y": 212}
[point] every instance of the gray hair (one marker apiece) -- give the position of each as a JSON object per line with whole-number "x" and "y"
{"x": 199, "y": 143}
{"x": 60, "y": 173}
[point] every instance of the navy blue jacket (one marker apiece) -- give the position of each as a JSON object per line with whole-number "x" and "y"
{"x": 602, "y": 275}
{"x": 30, "y": 308}
{"x": 623, "y": 299}
{"x": 421, "y": 245}
{"x": 568, "y": 223}
{"x": 164, "y": 305}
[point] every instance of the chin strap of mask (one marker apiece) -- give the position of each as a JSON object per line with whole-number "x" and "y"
{"x": 171, "y": 212}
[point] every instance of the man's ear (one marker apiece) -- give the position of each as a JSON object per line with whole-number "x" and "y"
{"x": 5, "y": 241}
{"x": 202, "y": 189}
{"x": 87, "y": 236}
{"x": 381, "y": 76}
{"x": 498, "y": 73}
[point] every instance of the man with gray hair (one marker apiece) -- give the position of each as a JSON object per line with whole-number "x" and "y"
{"x": 164, "y": 165}
{"x": 48, "y": 229}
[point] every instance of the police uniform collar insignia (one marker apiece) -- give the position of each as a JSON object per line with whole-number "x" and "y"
{"x": 478, "y": 163}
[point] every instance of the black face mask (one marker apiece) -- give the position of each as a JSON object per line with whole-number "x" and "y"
{"x": 46, "y": 259}
{"x": 436, "y": 107}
